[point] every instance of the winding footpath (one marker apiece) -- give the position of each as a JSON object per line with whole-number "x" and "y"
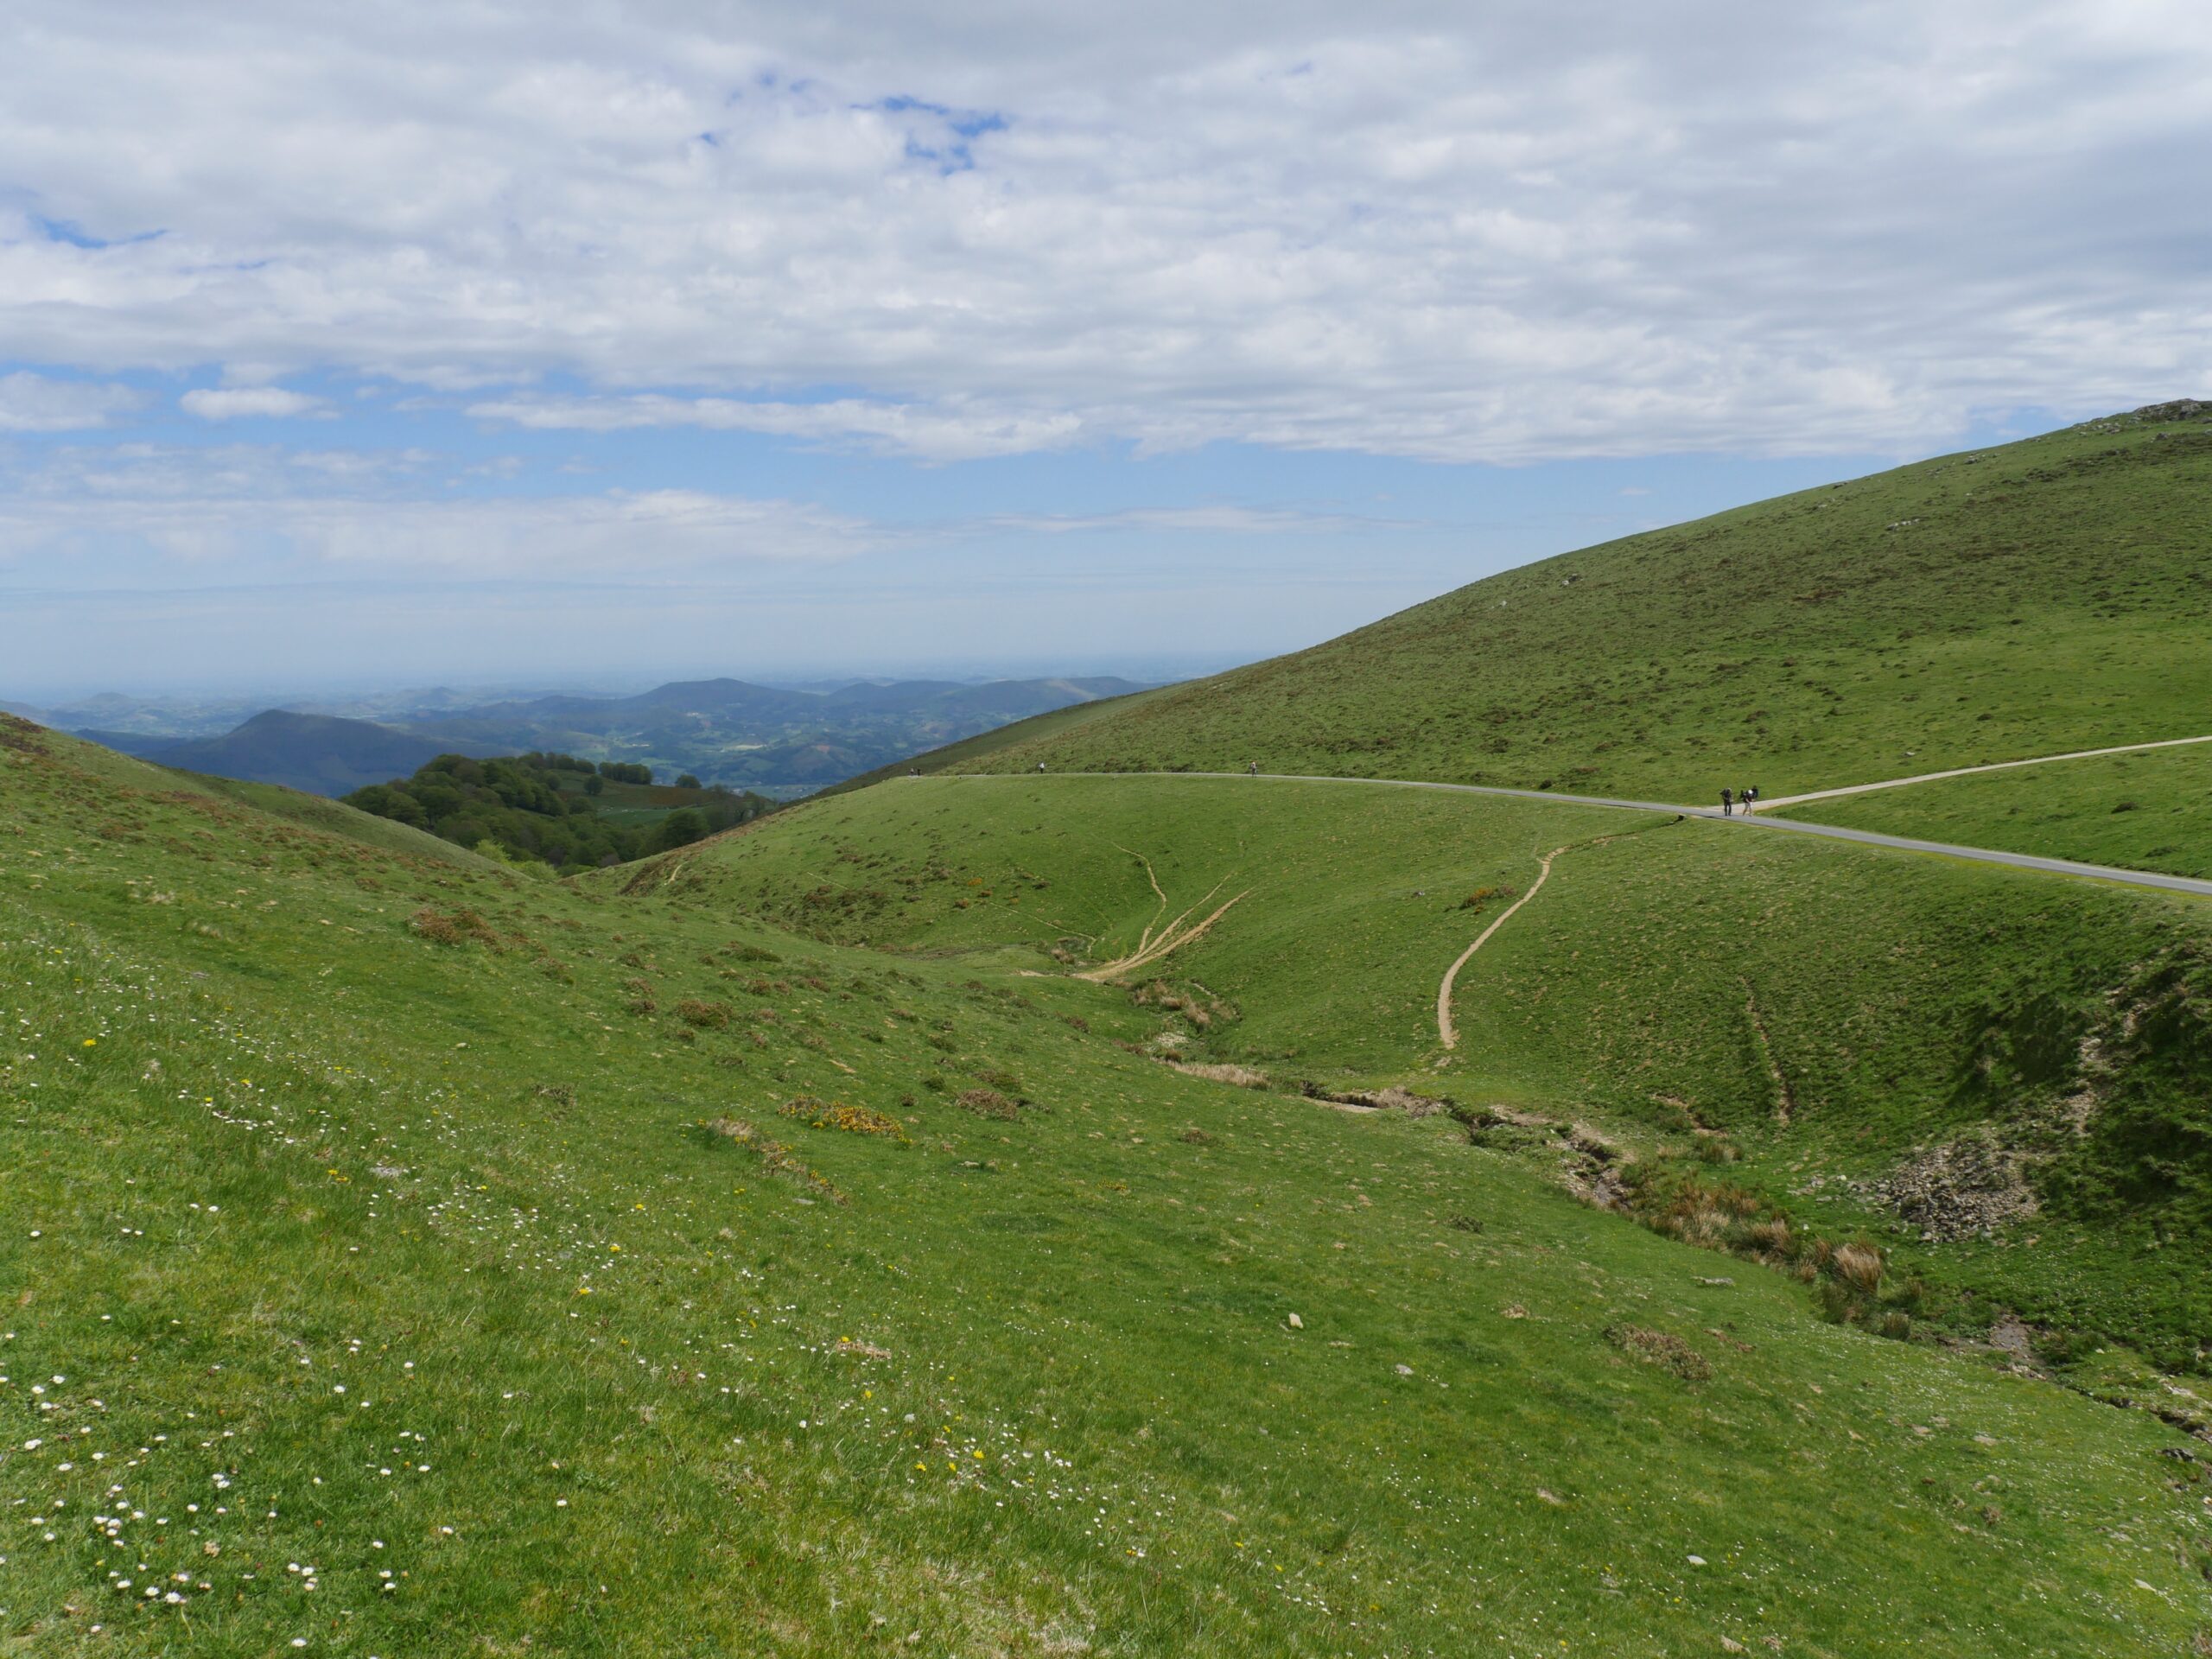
{"x": 1445, "y": 1029}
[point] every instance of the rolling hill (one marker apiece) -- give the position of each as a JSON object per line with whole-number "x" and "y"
{"x": 2042, "y": 596}
{"x": 642, "y": 1263}
{"x": 1160, "y": 1214}
{"x": 322, "y": 754}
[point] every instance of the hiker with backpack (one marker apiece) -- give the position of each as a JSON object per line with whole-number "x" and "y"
{"x": 1727, "y": 803}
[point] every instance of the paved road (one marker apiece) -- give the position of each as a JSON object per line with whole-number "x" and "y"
{"x": 1751, "y": 825}
{"x": 1968, "y": 772}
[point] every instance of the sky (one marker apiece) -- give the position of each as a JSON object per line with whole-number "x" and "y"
{"x": 552, "y": 343}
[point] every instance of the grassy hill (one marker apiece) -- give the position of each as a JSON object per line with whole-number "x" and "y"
{"x": 456, "y": 1263}
{"x": 2042, "y": 596}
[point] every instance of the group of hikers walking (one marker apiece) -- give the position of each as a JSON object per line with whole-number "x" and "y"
{"x": 1732, "y": 798}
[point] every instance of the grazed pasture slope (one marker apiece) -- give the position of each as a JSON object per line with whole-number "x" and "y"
{"x": 2042, "y": 597}
{"x": 2053, "y": 1030}
{"x": 382, "y": 1279}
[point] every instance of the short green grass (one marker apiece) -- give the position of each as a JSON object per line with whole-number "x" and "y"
{"x": 337, "y": 1258}
{"x": 2146, "y": 812}
{"x": 1663, "y": 976}
{"x": 2044, "y": 596}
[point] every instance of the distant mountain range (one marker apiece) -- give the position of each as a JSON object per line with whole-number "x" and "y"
{"x": 781, "y": 742}
{"x": 320, "y": 753}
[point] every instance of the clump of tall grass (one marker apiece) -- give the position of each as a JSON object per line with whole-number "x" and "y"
{"x": 1852, "y": 1282}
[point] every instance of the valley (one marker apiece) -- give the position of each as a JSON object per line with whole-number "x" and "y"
{"x": 1146, "y": 1207}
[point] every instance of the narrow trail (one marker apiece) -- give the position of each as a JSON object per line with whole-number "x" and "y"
{"x": 1146, "y": 937}
{"x": 1445, "y": 1029}
{"x": 1968, "y": 772}
{"x": 1448, "y": 1032}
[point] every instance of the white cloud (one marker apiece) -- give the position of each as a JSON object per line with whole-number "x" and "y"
{"x": 1432, "y": 230}
{"x": 36, "y": 402}
{"x": 929, "y": 433}
{"x": 1215, "y": 520}
{"x": 237, "y": 402}
{"x": 254, "y": 514}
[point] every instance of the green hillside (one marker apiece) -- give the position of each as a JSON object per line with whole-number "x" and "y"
{"x": 2042, "y": 597}
{"x": 1686, "y": 984}
{"x": 409, "y": 1258}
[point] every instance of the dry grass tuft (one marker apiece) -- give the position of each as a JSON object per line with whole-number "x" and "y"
{"x": 1241, "y": 1077}
{"x": 702, "y": 1015}
{"x": 1859, "y": 1265}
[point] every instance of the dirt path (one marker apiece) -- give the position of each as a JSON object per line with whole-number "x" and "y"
{"x": 1445, "y": 1029}
{"x": 1968, "y": 772}
{"x": 1156, "y": 893}
{"x": 1172, "y": 938}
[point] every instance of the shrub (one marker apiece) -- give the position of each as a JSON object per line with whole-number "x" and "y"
{"x": 836, "y": 1114}
{"x": 1670, "y": 1353}
{"x": 987, "y": 1102}
{"x": 704, "y": 1016}
{"x": 456, "y": 928}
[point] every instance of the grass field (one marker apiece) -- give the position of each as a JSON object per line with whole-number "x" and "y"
{"x": 2044, "y": 597}
{"x": 2147, "y": 811}
{"x": 380, "y": 1282}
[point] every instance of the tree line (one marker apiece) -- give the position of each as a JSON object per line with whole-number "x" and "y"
{"x": 516, "y": 807}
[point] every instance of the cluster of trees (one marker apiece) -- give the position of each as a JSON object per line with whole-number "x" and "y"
{"x": 518, "y": 805}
